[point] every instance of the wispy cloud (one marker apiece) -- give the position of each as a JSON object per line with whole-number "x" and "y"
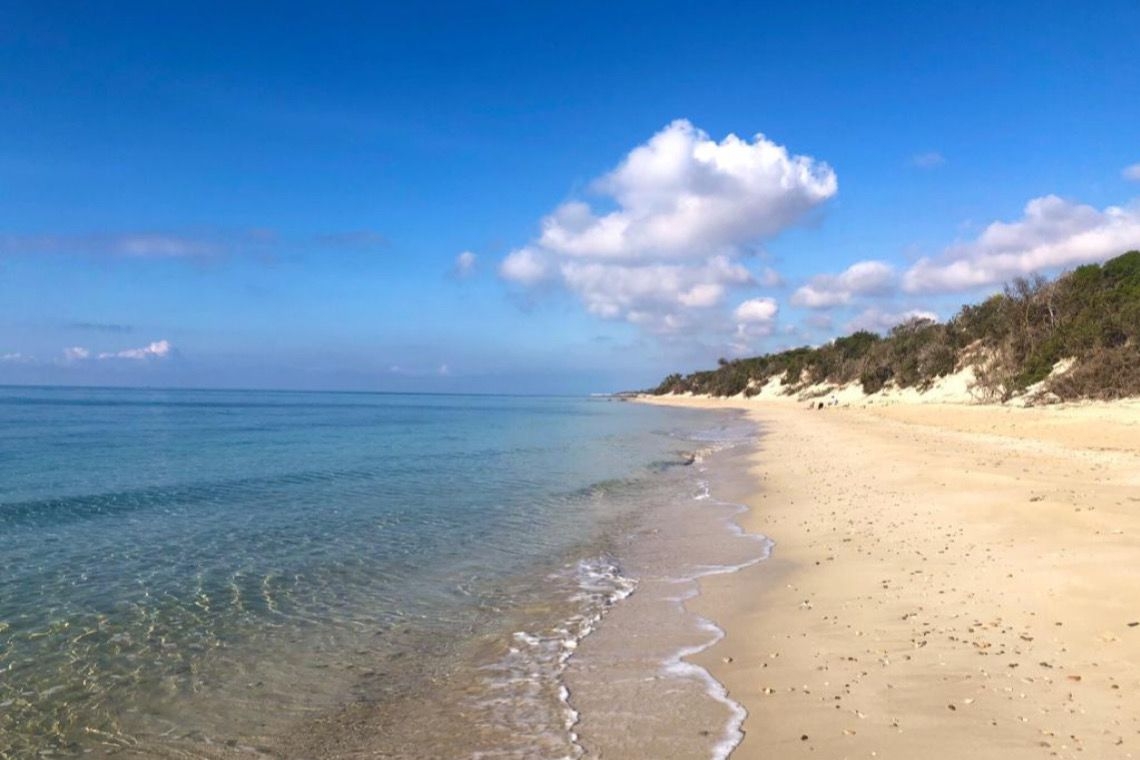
{"x": 107, "y": 327}
{"x": 189, "y": 245}
{"x": 687, "y": 209}
{"x": 156, "y": 350}
{"x": 464, "y": 265}
{"x": 930, "y": 160}
{"x": 159, "y": 349}
{"x": 359, "y": 240}
{"x": 1131, "y": 172}
{"x": 819, "y": 321}
{"x": 137, "y": 245}
{"x": 769, "y": 278}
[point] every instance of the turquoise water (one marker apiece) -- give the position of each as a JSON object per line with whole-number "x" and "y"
{"x": 188, "y": 573}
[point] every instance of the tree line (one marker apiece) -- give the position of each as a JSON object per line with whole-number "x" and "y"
{"x": 1012, "y": 339}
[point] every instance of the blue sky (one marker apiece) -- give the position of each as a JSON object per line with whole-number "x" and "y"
{"x": 219, "y": 194}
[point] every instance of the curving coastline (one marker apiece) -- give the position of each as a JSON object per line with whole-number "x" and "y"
{"x": 947, "y": 579}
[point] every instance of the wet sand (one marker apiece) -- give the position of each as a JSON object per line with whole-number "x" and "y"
{"x": 948, "y": 581}
{"x": 633, "y": 680}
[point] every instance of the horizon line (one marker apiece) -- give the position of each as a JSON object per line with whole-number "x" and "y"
{"x": 65, "y": 386}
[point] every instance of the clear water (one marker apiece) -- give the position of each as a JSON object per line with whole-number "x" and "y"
{"x": 205, "y": 573}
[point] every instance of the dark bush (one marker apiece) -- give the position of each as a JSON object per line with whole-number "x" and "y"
{"x": 873, "y": 380}
{"x": 1108, "y": 373}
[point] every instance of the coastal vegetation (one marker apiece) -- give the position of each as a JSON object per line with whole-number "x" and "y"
{"x": 1074, "y": 337}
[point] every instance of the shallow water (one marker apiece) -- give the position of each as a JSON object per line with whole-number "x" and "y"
{"x": 188, "y": 573}
{"x": 639, "y": 695}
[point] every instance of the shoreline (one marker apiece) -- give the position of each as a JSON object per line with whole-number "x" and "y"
{"x": 635, "y": 681}
{"x": 946, "y": 579}
{"x": 623, "y": 671}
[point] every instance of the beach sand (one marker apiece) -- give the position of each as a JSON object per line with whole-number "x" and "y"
{"x": 948, "y": 581}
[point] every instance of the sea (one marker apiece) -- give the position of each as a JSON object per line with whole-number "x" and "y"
{"x": 216, "y": 574}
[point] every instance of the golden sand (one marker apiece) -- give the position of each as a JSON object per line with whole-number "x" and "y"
{"x": 948, "y": 581}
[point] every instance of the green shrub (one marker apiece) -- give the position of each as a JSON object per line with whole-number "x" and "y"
{"x": 1091, "y": 314}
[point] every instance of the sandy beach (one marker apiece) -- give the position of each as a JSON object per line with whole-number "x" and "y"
{"x": 948, "y": 581}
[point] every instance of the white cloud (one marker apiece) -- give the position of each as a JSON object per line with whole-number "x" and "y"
{"x": 686, "y": 208}
{"x": 465, "y": 264}
{"x": 863, "y": 278}
{"x": 75, "y": 353}
{"x": 1131, "y": 172}
{"x": 757, "y": 310}
{"x": 159, "y": 349}
{"x": 878, "y": 320}
{"x": 17, "y": 358}
{"x": 682, "y": 195}
{"x": 813, "y": 296}
{"x": 1052, "y": 233}
{"x": 755, "y": 318}
{"x": 526, "y": 266}
{"x": 636, "y": 293}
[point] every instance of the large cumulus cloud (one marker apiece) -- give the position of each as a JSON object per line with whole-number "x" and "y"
{"x": 677, "y": 215}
